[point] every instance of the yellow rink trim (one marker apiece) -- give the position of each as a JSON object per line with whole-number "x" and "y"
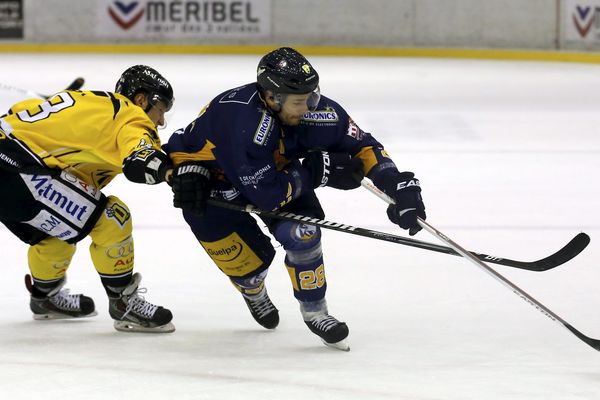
{"x": 490, "y": 54}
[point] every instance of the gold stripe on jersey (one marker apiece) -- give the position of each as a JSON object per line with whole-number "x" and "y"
{"x": 280, "y": 160}
{"x": 204, "y": 154}
{"x": 85, "y": 132}
{"x": 368, "y": 157}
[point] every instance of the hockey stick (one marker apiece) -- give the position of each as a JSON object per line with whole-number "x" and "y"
{"x": 75, "y": 85}
{"x": 568, "y": 252}
{"x": 594, "y": 343}
{"x": 574, "y": 247}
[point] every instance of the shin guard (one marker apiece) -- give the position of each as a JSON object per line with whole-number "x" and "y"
{"x": 304, "y": 259}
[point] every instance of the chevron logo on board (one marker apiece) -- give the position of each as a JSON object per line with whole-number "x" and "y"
{"x": 583, "y": 18}
{"x": 125, "y": 14}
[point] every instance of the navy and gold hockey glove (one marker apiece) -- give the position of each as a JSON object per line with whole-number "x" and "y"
{"x": 337, "y": 170}
{"x": 190, "y": 184}
{"x": 405, "y": 189}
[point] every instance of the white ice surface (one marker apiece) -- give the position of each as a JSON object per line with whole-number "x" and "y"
{"x": 508, "y": 158}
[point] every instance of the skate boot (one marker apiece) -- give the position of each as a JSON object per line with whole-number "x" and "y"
{"x": 331, "y": 331}
{"x": 58, "y": 303}
{"x": 262, "y": 309}
{"x": 132, "y": 313}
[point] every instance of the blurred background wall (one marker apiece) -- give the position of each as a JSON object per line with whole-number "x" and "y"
{"x": 356, "y": 25}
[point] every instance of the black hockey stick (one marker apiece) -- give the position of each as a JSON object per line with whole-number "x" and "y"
{"x": 574, "y": 247}
{"x": 75, "y": 85}
{"x": 594, "y": 343}
{"x": 568, "y": 252}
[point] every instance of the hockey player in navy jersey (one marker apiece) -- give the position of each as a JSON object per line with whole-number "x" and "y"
{"x": 272, "y": 143}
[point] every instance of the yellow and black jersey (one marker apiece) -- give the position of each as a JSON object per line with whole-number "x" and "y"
{"x": 88, "y": 133}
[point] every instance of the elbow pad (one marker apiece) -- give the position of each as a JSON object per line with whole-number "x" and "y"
{"x": 146, "y": 166}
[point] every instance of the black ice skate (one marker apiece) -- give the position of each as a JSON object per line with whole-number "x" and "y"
{"x": 132, "y": 313}
{"x": 262, "y": 309}
{"x": 58, "y": 303}
{"x": 331, "y": 331}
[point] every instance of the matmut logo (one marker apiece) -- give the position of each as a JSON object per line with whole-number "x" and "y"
{"x": 584, "y": 18}
{"x": 126, "y": 14}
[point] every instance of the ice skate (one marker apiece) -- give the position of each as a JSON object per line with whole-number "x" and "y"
{"x": 262, "y": 309}
{"x": 331, "y": 331}
{"x": 132, "y": 313}
{"x": 58, "y": 303}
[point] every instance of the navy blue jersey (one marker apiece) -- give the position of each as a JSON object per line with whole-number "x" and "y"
{"x": 249, "y": 151}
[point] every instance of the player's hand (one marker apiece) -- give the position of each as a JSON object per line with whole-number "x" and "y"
{"x": 190, "y": 184}
{"x": 337, "y": 170}
{"x": 406, "y": 192}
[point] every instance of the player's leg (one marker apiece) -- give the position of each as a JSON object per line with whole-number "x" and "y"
{"x": 238, "y": 247}
{"x": 48, "y": 262}
{"x": 48, "y": 257}
{"x": 112, "y": 253}
{"x": 304, "y": 262}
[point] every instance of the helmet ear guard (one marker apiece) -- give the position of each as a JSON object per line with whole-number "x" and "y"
{"x": 313, "y": 100}
{"x": 156, "y": 97}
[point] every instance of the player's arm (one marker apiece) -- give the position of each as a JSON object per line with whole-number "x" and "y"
{"x": 148, "y": 165}
{"x": 403, "y": 187}
{"x": 190, "y": 180}
{"x": 378, "y": 166}
{"x": 268, "y": 187}
{"x": 143, "y": 159}
{"x": 350, "y": 138}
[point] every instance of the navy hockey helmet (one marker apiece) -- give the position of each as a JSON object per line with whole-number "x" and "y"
{"x": 285, "y": 71}
{"x": 141, "y": 78}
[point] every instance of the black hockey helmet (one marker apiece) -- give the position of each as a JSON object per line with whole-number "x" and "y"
{"x": 286, "y": 71}
{"x": 141, "y": 78}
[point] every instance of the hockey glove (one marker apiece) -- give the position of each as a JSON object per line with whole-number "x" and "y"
{"x": 337, "y": 170}
{"x": 190, "y": 187}
{"x": 406, "y": 192}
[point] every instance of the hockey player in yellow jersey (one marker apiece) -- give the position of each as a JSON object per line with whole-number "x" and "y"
{"x": 55, "y": 156}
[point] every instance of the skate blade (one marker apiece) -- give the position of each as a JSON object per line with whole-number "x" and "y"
{"x": 128, "y": 326}
{"x": 53, "y": 316}
{"x": 341, "y": 345}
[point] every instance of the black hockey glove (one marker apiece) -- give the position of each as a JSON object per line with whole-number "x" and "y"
{"x": 337, "y": 170}
{"x": 406, "y": 192}
{"x": 190, "y": 187}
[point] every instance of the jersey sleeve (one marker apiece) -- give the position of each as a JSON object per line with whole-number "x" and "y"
{"x": 264, "y": 183}
{"x": 186, "y": 144}
{"x": 339, "y": 133}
